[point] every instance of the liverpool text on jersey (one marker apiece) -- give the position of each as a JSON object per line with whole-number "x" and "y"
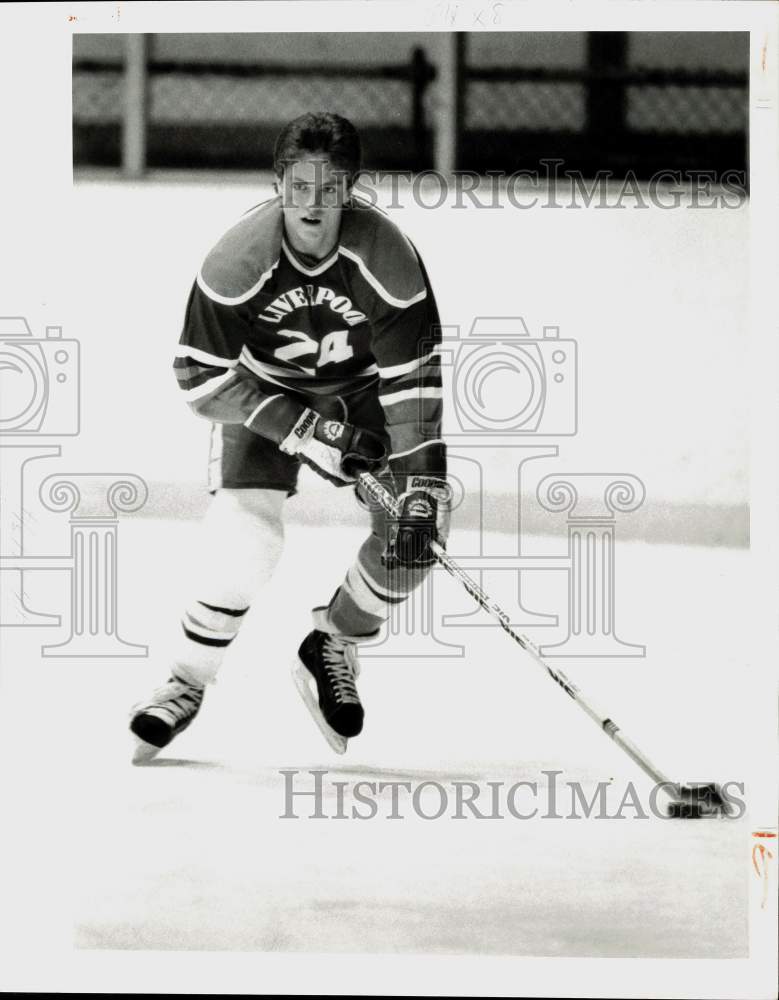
{"x": 311, "y": 295}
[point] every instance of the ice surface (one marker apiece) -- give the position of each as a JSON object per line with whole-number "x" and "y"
{"x": 192, "y": 852}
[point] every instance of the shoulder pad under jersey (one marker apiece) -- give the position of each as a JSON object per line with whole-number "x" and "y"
{"x": 245, "y": 257}
{"x": 382, "y": 254}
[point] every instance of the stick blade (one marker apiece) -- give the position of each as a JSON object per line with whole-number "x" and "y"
{"x": 699, "y": 800}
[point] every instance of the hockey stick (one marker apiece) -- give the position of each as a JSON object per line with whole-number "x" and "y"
{"x": 688, "y": 801}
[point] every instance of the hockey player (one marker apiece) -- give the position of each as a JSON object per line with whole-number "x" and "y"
{"x": 309, "y": 336}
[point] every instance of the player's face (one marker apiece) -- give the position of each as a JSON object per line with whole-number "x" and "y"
{"x": 313, "y": 193}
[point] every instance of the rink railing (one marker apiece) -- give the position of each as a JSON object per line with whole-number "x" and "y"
{"x": 605, "y": 114}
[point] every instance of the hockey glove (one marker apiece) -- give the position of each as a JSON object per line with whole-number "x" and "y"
{"x": 417, "y": 523}
{"x": 338, "y": 452}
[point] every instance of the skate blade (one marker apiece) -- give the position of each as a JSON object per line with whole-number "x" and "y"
{"x": 303, "y": 681}
{"x": 144, "y": 752}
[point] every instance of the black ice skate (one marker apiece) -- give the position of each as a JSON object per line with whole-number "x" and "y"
{"x": 330, "y": 663}
{"x": 169, "y": 711}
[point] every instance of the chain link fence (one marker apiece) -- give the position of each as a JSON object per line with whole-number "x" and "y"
{"x": 604, "y": 114}
{"x": 505, "y": 105}
{"x": 227, "y": 114}
{"x": 563, "y": 107}
{"x": 611, "y": 113}
{"x": 98, "y": 96}
{"x": 204, "y": 98}
{"x": 713, "y": 110}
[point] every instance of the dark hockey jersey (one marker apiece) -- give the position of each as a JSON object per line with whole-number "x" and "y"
{"x": 265, "y": 334}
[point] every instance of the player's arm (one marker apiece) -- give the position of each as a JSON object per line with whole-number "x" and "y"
{"x": 218, "y": 387}
{"x": 209, "y": 370}
{"x": 405, "y": 345}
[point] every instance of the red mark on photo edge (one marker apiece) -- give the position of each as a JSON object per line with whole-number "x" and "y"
{"x": 761, "y": 858}
{"x": 72, "y": 17}
{"x": 763, "y": 53}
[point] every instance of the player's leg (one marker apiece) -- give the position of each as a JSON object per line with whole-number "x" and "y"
{"x": 356, "y": 612}
{"x": 327, "y": 666}
{"x": 238, "y": 545}
{"x": 241, "y": 536}
{"x": 370, "y": 589}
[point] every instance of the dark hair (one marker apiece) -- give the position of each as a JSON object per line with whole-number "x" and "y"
{"x": 319, "y": 132}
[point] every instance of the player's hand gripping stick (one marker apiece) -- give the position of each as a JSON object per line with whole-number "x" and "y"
{"x": 338, "y": 452}
{"x": 416, "y": 525}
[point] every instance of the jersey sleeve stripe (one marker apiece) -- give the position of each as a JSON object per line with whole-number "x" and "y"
{"x": 235, "y": 300}
{"x": 298, "y": 372}
{"x": 263, "y": 404}
{"x": 186, "y": 373}
{"x": 410, "y": 451}
{"x": 191, "y": 378}
{"x": 212, "y": 385}
{"x": 287, "y": 378}
{"x": 393, "y": 371}
{"x": 427, "y": 374}
{"x": 185, "y": 351}
{"x": 258, "y": 369}
{"x": 418, "y": 392}
{"x": 377, "y": 286}
{"x": 431, "y": 375}
{"x": 266, "y": 370}
{"x": 261, "y": 368}
{"x": 432, "y": 381}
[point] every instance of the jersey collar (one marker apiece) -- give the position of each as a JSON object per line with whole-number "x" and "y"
{"x": 298, "y": 264}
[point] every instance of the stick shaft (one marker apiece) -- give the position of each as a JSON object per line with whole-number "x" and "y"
{"x": 383, "y": 497}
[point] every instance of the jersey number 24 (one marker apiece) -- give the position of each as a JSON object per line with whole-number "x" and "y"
{"x": 333, "y": 347}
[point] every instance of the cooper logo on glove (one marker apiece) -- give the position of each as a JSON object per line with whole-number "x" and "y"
{"x": 303, "y": 427}
{"x": 437, "y": 488}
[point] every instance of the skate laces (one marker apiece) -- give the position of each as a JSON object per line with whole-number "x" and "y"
{"x": 339, "y": 671}
{"x": 178, "y": 698}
